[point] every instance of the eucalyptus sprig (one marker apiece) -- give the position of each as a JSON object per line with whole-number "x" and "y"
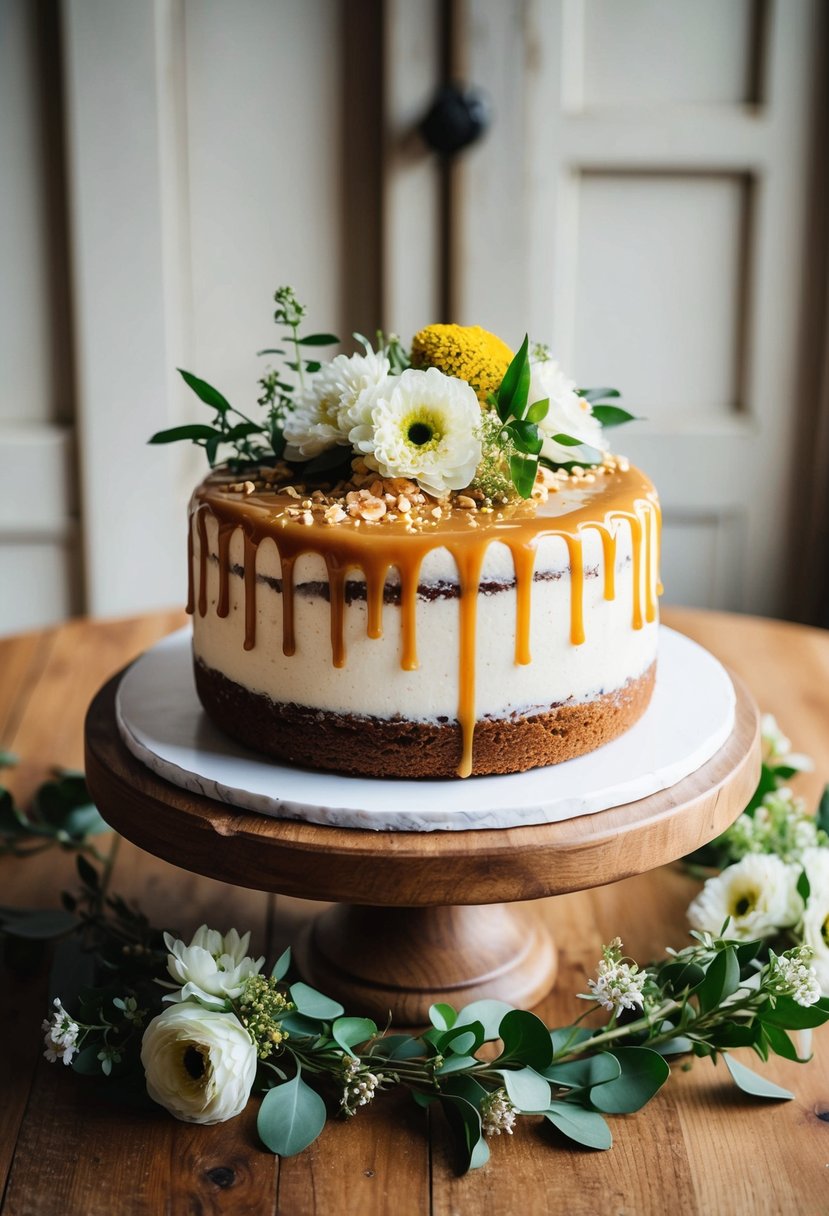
{"x": 244, "y": 441}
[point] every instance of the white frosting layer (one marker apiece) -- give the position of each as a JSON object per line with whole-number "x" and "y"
{"x": 372, "y": 681}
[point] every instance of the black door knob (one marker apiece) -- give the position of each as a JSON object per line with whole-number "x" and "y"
{"x": 459, "y": 115}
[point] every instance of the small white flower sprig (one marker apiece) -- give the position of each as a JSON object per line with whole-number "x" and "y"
{"x": 772, "y": 864}
{"x": 456, "y": 411}
{"x": 231, "y": 1030}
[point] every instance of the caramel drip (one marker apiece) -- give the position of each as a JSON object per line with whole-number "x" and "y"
{"x": 375, "y": 586}
{"x": 251, "y": 550}
{"x": 575, "y": 549}
{"x": 469, "y": 562}
{"x": 223, "y": 603}
{"x": 287, "y": 564}
{"x": 622, "y": 497}
{"x": 409, "y": 576}
{"x": 657, "y": 512}
{"x": 191, "y": 598}
{"x": 201, "y": 524}
{"x": 609, "y": 555}
{"x": 523, "y": 560}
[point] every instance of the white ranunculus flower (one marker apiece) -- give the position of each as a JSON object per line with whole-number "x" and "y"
{"x": 322, "y": 414}
{"x": 421, "y": 424}
{"x": 199, "y": 1063}
{"x": 758, "y": 894}
{"x": 213, "y": 968}
{"x": 569, "y": 414}
{"x": 816, "y": 915}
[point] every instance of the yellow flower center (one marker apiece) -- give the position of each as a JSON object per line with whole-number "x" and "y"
{"x": 824, "y": 931}
{"x": 743, "y": 901}
{"x": 466, "y": 352}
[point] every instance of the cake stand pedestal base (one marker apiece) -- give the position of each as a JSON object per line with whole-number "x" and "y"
{"x": 377, "y": 959}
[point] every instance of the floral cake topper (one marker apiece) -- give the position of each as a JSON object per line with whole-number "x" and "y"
{"x": 458, "y": 410}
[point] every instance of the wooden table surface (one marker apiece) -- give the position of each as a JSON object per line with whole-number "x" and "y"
{"x": 699, "y": 1147}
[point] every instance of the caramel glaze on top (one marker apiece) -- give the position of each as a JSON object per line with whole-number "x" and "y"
{"x": 616, "y": 499}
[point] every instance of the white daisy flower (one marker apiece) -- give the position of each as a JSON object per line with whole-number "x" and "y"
{"x": 322, "y": 414}
{"x": 60, "y": 1035}
{"x": 213, "y": 968}
{"x": 816, "y": 915}
{"x": 423, "y": 425}
{"x": 569, "y": 414}
{"x": 758, "y": 896}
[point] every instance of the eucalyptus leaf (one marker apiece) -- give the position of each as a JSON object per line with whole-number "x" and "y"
{"x": 788, "y": 1015}
{"x": 299, "y": 1024}
{"x": 282, "y": 965}
{"x": 194, "y": 431}
{"x": 37, "y": 924}
{"x": 823, "y": 811}
{"x": 752, "y": 1083}
{"x": 465, "y": 1121}
{"x": 722, "y": 978}
{"x": 455, "y": 1064}
{"x": 586, "y": 1072}
{"x": 467, "y": 1088}
{"x": 291, "y": 1117}
{"x": 525, "y": 1039}
{"x": 86, "y": 1062}
{"x": 563, "y": 1038}
{"x": 205, "y": 392}
{"x": 526, "y": 1089}
{"x": 585, "y": 1127}
{"x": 489, "y": 1013}
{"x": 443, "y": 1017}
{"x": 644, "y": 1072}
{"x": 319, "y": 340}
{"x": 313, "y": 1004}
{"x": 781, "y": 1044}
{"x": 612, "y": 415}
{"x": 678, "y": 1046}
{"x": 462, "y": 1039}
{"x": 350, "y": 1031}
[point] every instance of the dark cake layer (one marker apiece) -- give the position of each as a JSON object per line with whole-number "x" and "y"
{"x": 380, "y": 747}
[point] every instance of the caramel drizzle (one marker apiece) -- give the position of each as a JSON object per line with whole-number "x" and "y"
{"x": 374, "y": 555}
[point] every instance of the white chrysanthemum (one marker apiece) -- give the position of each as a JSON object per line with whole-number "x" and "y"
{"x": 60, "y": 1035}
{"x": 758, "y": 895}
{"x": 423, "y": 425}
{"x": 199, "y": 1063}
{"x": 322, "y": 414}
{"x": 569, "y": 414}
{"x": 213, "y": 968}
{"x": 816, "y": 915}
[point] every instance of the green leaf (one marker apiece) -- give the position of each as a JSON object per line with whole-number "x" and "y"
{"x": 462, "y": 1040}
{"x": 586, "y": 1072}
{"x": 8, "y": 759}
{"x": 525, "y": 436}
{"x": 271, "y": 350}
{"x": 465, "y": 1121}
{"x": 87, "y": 873}
{"x": 282, "y": 965}
{"x": 525, "y": 1039}
{"x": 644, "y": 1072}
{"x": 467, "y": 1088}
{"x": 194, "y": 431}
{"x": 522, "y": 471}
{"x": 86, "y": 1062}
{"x": 455, "y": 1064}
{"x": 823, "y": 811}
{"x": 314, "y": 1004}
{"x": 299, "y": 1024}
{"x": 348, "y": 1031}
{"x": 399, "y": 1047}
{"x": 677, "y": 977}
{"x": 678, "y": 1046}
{"x": 312, "y": 366}
{"x": 584, "y": 1126}
{"x": 598, "y": 394}
{"x": 242, "y": 430}
{"x": 781, "y": 1044}
{"x": 565, "y": 1037}
{"x": 205, "y": 392}
{"x": 566, "y": 441}
{"x": 752, "y": 1083}
{"x": 515, "y": 386}
{"x": 488, "y": 1012}
{"x": 788, "y": 1015}
{"x": 538, "y": 410}
{"x": 612, "y": 415}
{"x": 443, "y": 1017}
{"x": 36, "y": 924}
{"x": 526, "y": 1089}
{"x": 291, "y": 1117}
{"x": 722, "y": 978}
{"x": 804, "y": 887}
{"x": 319, "y": 340}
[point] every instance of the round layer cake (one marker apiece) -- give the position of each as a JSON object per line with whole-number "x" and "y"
{"x": 427, "y": 639}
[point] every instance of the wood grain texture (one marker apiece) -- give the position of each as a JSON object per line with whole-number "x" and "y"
{"x": 699, "y": 1148}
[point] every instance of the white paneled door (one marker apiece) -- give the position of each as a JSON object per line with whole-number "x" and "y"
{"x": 640, "y": 205}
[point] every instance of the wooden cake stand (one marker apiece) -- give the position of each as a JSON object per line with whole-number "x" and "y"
{"x": 421, "y": 916}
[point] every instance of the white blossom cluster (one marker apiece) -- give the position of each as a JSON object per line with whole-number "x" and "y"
{"x": 360, "y": 1086}
{"x": 60, "y": 1035}
{"x": 791, "y": 974}
{"x": 497, "y": 1114}
{"x": 619, "y": 985}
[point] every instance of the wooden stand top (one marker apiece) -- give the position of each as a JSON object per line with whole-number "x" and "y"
{"x": 413, "y": 869}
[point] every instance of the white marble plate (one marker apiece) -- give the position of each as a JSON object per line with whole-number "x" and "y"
{"x": 690, "y": 717}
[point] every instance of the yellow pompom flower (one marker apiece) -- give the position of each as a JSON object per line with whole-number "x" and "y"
{"x": 465, "y": 351}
